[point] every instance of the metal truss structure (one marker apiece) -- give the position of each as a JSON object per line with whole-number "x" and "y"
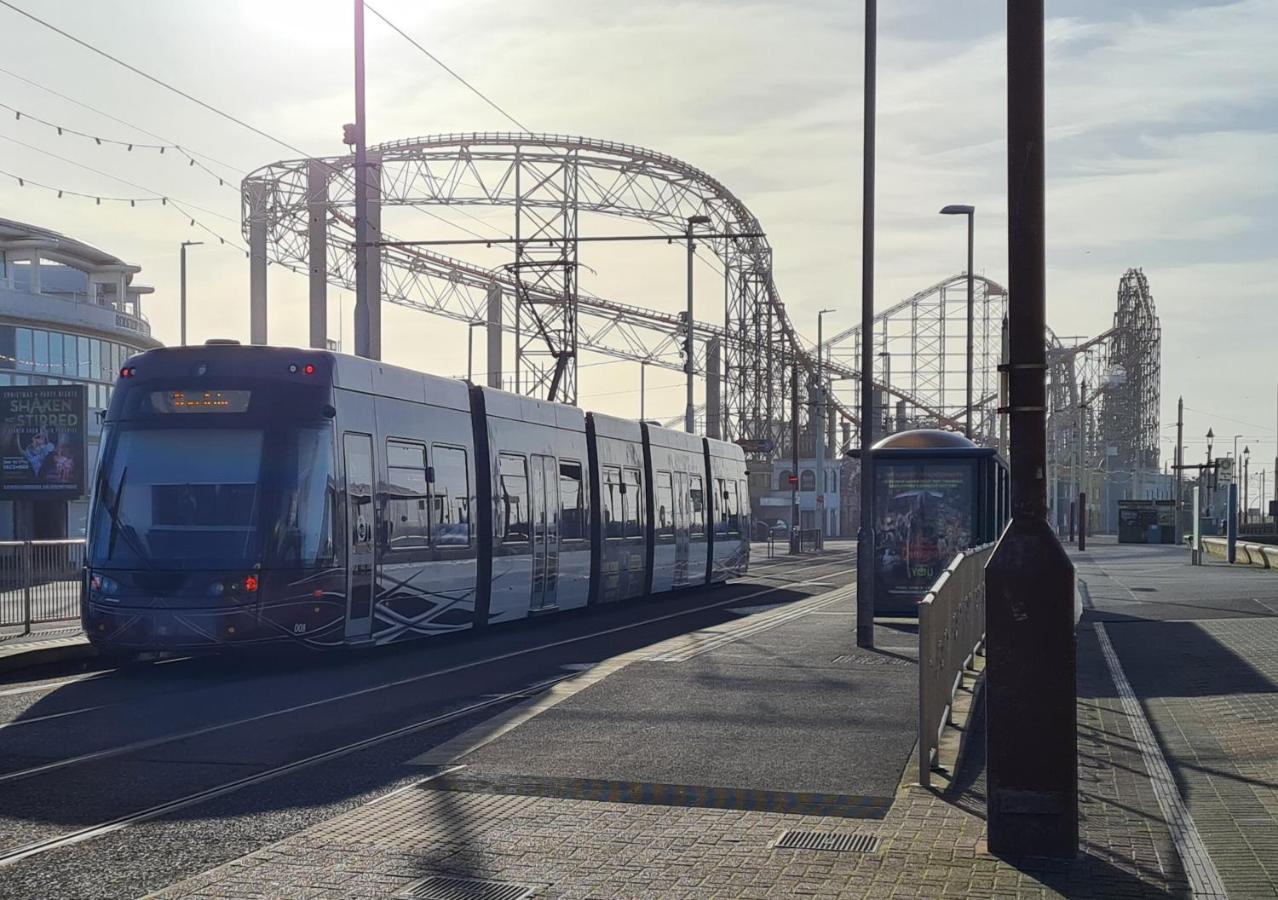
{"x": 921, "y": 352}
{"x": 1104, "y": 393}
{"x": 299, "y": 213}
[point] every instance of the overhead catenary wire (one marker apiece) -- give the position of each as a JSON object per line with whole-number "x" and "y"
{"x": 439, "y": 62}
{"x": 124, "y": 122}
{"x": 63, "y": 130}
{"x": 158, "y": 194}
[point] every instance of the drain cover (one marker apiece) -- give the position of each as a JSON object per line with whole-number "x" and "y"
{"x": 447, "y": 887}
{"x": 819, "y": 840}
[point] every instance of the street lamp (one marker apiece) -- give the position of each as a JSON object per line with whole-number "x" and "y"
{"x": 820, "y": 418}
{"x": 185, "y": 244}
{"x": 1246, "y": 473}
{"x": 958, "y": 209}
{"x": 688, "y": 414}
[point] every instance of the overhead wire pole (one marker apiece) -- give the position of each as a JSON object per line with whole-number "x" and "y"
{"x": 363, "y": 336}
{"x": 1031, "y": 696}
{"x": 865, "y": 535}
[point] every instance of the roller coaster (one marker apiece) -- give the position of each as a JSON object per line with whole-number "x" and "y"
{"x": 299, "y": 214}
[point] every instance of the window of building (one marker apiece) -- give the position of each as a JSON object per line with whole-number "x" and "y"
{"x": 633, "y": 503}
{"x": 783, "y": 480}
{"x": 665, "y": 510}
{"x": 95, "y": 360}
{"x": 515, "y": 514}
{"x": 23, "y": 349}
{"x": 613, "y": 507}
{"x": 55, "y": 354}
{"x": 807, "y": 480}
{"x": 697, "y": 499}
{"x": 407, "y": 515}
{"x": 84, "y": 359}
{"x": 40, "y": 350}
{"x": 451, "y": 491}
{"x": 572, "y": 505}
{"x": 69, "y": 366}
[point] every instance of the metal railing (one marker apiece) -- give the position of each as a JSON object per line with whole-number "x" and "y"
{"x": 951, "y": 631}
{"x": 806, "y": 540}
{"x": 39, "y": 584}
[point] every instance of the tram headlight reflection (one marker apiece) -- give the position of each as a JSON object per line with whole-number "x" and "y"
{"x": 103, "y": 584}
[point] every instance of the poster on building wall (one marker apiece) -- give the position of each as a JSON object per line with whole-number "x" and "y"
{"x": 924, "y": 512}
{"x": 43, "y": 437}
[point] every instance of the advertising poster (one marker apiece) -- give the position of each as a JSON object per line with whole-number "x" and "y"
{"x": 43, "y": 438}
{"x": 924, "y": 512}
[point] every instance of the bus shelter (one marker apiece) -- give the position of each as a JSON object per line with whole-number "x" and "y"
{"x": 935, "y": 493}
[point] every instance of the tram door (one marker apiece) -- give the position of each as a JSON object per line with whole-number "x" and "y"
{"x": 545, "y": 527}
{"x": 360, "y": 534}
{"x": 681, "y": 522}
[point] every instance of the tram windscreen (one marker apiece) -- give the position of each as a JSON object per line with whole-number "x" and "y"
{"x": 214, "y": 498}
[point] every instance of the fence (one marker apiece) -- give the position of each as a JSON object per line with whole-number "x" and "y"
{"x": 806, "y": 540}
{"x": 951, "y": 630}
{"x": 39, "y": 583}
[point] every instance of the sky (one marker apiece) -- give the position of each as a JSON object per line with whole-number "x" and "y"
{"x": 1162, "y": 134}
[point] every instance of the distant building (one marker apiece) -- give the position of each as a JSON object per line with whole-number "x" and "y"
{"x": 69, "y": 314}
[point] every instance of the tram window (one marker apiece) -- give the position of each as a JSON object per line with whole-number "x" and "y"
{"x": 451, "y": 493}
{"x": 612, "y": 502}
{"x": 572, "y": 515}
{"x": 720, "y": 511}
{"x": 731, "y": 512}
{"x": 665, "y": 505}
{"x": 697, "y": 521}
{"x": 407, "y": 512}
{"x": 632, "y": 499}
{"x": 514, "y": 499}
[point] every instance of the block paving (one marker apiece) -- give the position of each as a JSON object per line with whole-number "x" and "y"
{"x": 931, "y": 842}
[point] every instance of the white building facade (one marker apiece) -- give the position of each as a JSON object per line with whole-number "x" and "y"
{"x": 69, "y": 314}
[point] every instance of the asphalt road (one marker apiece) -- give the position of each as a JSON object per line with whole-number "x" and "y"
{"x": 116, "y": 782}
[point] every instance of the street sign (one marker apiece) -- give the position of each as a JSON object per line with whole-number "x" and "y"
{"x": 1225, "y": 470}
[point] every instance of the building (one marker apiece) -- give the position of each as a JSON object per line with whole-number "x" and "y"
{"x": 774, "y": 504}
{"x": 69, "y": 314}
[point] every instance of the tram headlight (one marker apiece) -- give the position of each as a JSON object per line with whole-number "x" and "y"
{"x": 102, "y": 584}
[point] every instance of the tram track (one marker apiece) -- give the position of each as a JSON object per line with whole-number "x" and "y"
{"x": 30, "y": 851}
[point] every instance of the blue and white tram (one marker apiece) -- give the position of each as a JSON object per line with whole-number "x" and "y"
{"x": 255, "y": 495}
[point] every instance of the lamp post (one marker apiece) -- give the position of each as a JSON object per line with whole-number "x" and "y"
{"x": 958, "y": 209}
{"x": 185, "y": 244}
{"x": 865, "y": 533}
{"x": 1246, "y": 480}
{"x": 819, "y": 436}
{"x": 688, "y": 362}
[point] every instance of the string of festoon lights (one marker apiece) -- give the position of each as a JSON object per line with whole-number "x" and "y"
{"x": 129, "y": 146}
{"x": 133, "y": 202}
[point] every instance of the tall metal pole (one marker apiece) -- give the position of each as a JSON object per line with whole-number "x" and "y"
{"x": 971, "y": 288}
{"x": 819, "y": 435}
{"x": 185, "y": 244}
{"x": 688, "y": 410}
{"x": 794, "y": 447}
{"x": 865, "y": 534}
{"x": 643, "y": 392}
{"x": 363, "y": 337}
{"x": 1180, "y": 438}
{"x": 182, "y": 327}
{"x": 1032, "y": 739}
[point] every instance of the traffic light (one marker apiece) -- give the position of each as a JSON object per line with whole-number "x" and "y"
{"x": 348, "y": 134}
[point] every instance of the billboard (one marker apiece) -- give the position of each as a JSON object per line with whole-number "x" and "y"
{"x": 924, "y": 512}
{"x": 43, "y": 438}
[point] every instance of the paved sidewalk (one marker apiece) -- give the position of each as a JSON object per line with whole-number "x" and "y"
{"x": 573, "y": 837}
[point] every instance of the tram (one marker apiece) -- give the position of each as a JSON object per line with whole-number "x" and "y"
{"x": 252, "y": 495}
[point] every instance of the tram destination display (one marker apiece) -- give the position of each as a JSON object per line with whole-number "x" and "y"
{"x": 43, "y": 437}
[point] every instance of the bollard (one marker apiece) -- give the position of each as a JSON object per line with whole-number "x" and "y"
{"x": 1082, "y": 521}
{"x": 1231, "y": 524}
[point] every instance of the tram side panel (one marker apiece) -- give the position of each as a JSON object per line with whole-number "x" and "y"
{"x": 539, "y": 482}
{"x": 678, "y": 524}
{"x": 621, "y": 512}
{"x": 730, "y": 505}
{"x": 424, "y": 502}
